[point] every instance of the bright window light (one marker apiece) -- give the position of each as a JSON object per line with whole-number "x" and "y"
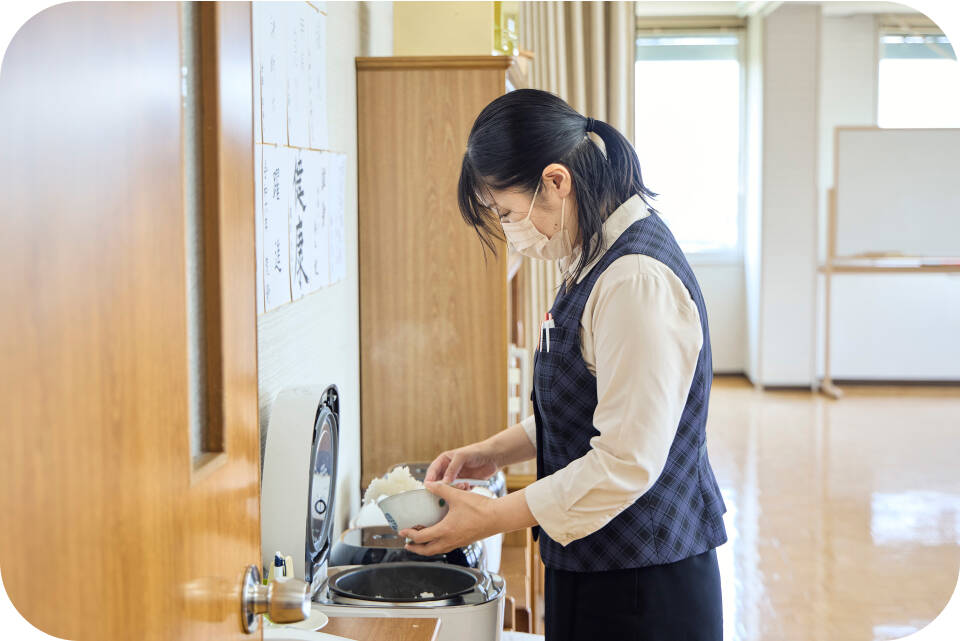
{"x": 688, "y": 102}
{"x": 919, "y": 82}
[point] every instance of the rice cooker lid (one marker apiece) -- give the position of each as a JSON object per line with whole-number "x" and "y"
{"x": 323, "y": 476}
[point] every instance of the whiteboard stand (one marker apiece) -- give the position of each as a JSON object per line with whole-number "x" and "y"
{"x": 826, "y": 386}
{"x": 865, "y": 264}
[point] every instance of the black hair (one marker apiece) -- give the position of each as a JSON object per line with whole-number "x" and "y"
{"x": 517, "y": 135}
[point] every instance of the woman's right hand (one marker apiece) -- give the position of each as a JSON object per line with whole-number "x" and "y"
{"x": 474, "y": 461}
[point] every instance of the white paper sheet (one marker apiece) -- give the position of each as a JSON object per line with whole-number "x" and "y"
{"x": 336, "y": 198}
{"x": 258, "y": 222}
{"x": 277, "y": 185}
{"x": 271, "y": 33}
{"x": 255, "y": 17}
{"x": 299, "y": 274}
{"x": 317, "y": 245}
{"x": 317, "y": 74}
{"x": 299, "y": 19}
{"x": 309, "y": 264}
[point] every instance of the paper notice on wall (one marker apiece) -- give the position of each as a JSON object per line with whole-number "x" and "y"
{"x": 336, "y": 201}
{"x": 299, "y": 275}
{"x": 257, "y": 74}
{"x": 270, "y": 38}
{"x": 317, "y": 240}
{"x": 309, "y": 266}
{"x": 299, "y": 22}
{"x": 277, "y": 176}
{"x": 258, "y": 222}
{"x": 317, "y": 74}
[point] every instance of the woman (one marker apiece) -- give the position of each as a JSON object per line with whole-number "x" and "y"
{"x": 625, "y": 505}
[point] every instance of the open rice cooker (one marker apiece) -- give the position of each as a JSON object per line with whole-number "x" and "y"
{"x": 298, "y": 499}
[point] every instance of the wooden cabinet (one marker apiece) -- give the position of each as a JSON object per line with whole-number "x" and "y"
{"x": 523, "y": 569}
{"x": 433, "y": 328}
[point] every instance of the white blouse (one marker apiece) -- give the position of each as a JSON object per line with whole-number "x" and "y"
{"x": 640, "y": 336}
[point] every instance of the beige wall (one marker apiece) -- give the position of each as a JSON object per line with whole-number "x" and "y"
{"x": 443, "y": 28}
{"x": 315, "y": 340}
{"x": 791, "y": 67}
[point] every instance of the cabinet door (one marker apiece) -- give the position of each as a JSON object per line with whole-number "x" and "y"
{"x": 432, "y": 305}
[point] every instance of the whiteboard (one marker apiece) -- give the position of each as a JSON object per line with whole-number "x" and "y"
{"x": 897, "y": 190}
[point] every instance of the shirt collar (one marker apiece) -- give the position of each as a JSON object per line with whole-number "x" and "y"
{"x": 632, "y": 210}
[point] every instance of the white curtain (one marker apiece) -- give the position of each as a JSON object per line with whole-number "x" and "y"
{"x": 584, "y": 52}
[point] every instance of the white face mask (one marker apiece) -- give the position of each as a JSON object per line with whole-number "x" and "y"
{"x": 530, "y": 241}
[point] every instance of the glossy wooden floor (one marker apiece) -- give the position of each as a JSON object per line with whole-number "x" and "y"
{"x": 843, "y": 516}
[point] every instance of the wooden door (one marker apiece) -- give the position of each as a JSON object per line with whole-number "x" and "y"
{"x": 113, "y": 526}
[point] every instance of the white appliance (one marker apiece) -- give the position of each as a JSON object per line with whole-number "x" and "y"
{"x": 298, "y": 495}
{"x": 299, "y": 480}
{"x": 468, "y": 602}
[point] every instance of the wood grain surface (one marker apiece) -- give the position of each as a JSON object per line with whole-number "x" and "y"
{"x": 108, "y": 533}
{"x": 433, "y": 341}
{"x": 498, "y": 63}
{"x": 383, "y": 629}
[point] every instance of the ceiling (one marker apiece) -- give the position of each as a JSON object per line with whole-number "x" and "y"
{"x": 748, "y": 7}
{"x": 851, "y": 8}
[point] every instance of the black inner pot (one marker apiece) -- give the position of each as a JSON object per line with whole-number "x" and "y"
{"x": 403, "y": 582}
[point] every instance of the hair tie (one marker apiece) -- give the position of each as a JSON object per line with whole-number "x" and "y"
{"x": 590, "y": 124}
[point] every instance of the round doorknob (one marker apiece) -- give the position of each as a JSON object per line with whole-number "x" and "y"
{"x": 283, "y": 601}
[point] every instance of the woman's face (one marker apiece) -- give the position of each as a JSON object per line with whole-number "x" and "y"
{"x": 511, "y": 205}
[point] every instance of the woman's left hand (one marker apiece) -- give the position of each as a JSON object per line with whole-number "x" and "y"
{"x": 468, "y": 520}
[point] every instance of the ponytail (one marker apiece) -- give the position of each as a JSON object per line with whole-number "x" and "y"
{"x": 623, "y": 161}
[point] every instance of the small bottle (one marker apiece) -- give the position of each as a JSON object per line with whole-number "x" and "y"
{"x": 278, "y": 571}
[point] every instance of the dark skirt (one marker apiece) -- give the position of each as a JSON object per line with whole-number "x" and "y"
{"x": 673, "y": 602}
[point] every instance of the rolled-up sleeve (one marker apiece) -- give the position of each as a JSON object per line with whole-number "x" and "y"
{"x": 646, "y": 339}
{"x": 529, "y": 425}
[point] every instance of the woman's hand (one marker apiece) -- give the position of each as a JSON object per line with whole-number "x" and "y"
{"x": 467, "y": 521}
{"x": 482, "y": 460}
{"x": 471, "y": 517}
{"x": 474, "y": 461}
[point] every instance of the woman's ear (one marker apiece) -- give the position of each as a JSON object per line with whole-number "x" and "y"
{"x": 557, "y": 176}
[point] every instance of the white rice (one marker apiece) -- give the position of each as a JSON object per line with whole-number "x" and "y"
{"x": 426, "y": 595}
{"x": 396, "y": 481}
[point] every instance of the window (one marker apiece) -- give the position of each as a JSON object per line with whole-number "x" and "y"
{"x": 688, "y": 121}
{"x": 919, "y": 81}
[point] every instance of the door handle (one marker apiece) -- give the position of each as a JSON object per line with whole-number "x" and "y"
{"x": 283, "y": 601}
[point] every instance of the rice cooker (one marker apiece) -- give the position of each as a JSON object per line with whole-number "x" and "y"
{"x": 468, "y": 602}
{"x": 298, "y": 497}
{"x": 299, "y": 480}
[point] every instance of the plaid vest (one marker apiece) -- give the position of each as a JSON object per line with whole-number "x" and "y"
{"x": 681, "y": 514}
